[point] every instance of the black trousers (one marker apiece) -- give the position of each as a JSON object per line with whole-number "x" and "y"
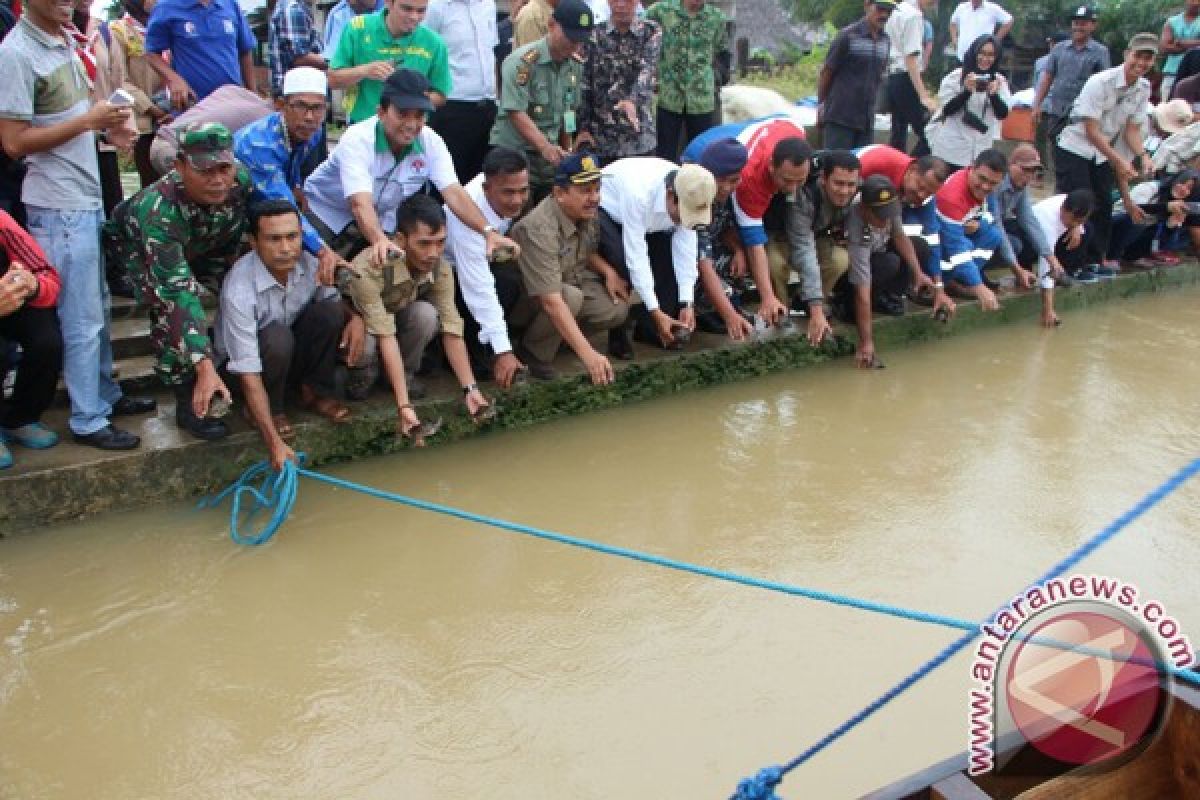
{"x": 611, "y": 248}
{"x": 840, "y": 137}
{"x": 907, "y": 111}
{"x": 671, "y": 126}
{"x": 465, "y": 127}
{"x": 304, "y": 353}
{"x": 888, "y": 277}
{"x": 1073, "y": 172}
{"x": 37, "y": 331}
{"x": 1086, "y": 253}
{"x": 508, "y": 292}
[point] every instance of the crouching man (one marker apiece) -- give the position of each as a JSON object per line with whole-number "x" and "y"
{"x": 278, "y": 329}
{"x": 564, "y": 296}
{"x": 405, "y": 301}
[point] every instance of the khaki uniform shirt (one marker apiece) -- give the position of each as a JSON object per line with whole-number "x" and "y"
{"x": 549, "y": 93}
{"x": 532, "y": 22}
{"x": 379, "y": 292}
{"x": 1107, "y": 99}
{"x": 554, "y": 249}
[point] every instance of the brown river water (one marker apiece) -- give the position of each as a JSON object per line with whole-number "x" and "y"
{"x": 374, "y": 651}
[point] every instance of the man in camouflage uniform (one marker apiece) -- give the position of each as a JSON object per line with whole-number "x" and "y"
{"x": 694, "y": 61}
{"x": 620, "y": 77}
{"x": 184, "y": 230}
{"x": 542, "y": 90}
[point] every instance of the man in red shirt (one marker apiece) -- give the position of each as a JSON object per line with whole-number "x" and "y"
{"x": 28, "y": 294}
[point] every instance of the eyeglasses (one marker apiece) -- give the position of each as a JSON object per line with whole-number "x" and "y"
{"x": 1037, "y": 169}
{"x": 307, "y": 109}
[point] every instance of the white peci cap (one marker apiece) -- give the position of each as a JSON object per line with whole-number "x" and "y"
{"x": 304, "y": 80}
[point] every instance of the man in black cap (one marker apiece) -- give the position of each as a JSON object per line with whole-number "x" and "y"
{"x": 542, "y": 88}
{"x": 563, "y": 297}
{"x": 1068, "y": 66}
{"x": 878, "y": 252}
{"x": 354, "y": 194}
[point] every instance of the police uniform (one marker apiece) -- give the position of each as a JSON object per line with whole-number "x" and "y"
{"x": 550, "y": 93}
{"x": 554, "y": 256}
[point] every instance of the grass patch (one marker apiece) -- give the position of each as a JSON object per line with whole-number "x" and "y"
{"x": 793, "y": 81}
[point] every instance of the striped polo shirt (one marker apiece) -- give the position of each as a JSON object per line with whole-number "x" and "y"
{"x": 46, "y": 84}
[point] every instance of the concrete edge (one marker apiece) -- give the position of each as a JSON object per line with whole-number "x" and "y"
{"x": 147, "y": 477}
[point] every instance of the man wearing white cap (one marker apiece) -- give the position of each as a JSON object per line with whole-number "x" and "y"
{"x": 649, "y": 211}
{"x": 274, "y": 149}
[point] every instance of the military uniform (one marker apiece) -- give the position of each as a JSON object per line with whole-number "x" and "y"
{"x": 171, "y": 245}
{"x": 549, "y": 93}
{"x": 554, "y": 256}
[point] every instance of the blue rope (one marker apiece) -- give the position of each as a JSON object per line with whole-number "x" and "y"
{"x": 278, "y": 490}
{"x": 1087, "y": 548}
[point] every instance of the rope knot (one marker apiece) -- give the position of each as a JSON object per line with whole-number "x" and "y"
{"x": 761, "y": 786}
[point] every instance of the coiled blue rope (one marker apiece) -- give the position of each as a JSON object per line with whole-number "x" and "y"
{"x": 277, "y": 491}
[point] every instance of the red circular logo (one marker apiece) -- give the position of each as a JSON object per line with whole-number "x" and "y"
{"x": 1078, "y": 705}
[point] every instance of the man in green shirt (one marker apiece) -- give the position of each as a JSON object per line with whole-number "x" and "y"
{"x": 374, "y": 45}
{"x": 693, "y": 62}
{"x": 542, "y": 87}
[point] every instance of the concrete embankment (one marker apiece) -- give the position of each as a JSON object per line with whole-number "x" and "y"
{"x": 71, "y": 482}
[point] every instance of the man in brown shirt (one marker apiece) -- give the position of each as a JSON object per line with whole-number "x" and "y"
{"x": 568, "y": 292}
{"x": 404, "y": 302}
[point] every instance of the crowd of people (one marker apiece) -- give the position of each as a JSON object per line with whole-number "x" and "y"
{"x": 491, "y": 200}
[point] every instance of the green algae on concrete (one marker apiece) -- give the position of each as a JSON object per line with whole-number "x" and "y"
{"x": 148, "y": 476}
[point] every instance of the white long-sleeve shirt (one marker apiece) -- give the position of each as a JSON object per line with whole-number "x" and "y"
{"x": 466, "y": 251}
{"x": 634, "y": 193}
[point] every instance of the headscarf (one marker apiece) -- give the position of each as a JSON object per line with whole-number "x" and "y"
{"x": 971, "y": 58}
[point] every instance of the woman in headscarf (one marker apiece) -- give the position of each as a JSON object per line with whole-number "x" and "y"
{"x": 974, "y": 99}
{"x": 130, "y": 71}
{"x": 1162, "y": 215}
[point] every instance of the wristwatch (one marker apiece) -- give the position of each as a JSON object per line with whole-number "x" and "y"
{"x": 470, "y": 387}
{"x": 488, "y": 229}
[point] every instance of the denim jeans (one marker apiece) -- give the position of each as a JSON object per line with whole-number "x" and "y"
{"x": 71, "y": 240}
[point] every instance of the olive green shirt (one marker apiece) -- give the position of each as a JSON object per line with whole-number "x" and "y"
{"x": 379, "y": 292}
{"x": 554, "y": 249}
{"x": 549, "y": 93}
{"x": 691, "y": 43}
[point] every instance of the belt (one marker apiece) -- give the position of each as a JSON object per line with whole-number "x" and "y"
{"x": 484, "y": 103}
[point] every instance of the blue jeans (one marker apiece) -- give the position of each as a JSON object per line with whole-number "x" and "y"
{"x": 71, "y": 240}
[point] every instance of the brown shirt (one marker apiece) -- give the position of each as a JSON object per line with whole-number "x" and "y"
{"x": 379, "y": 292}
{"x": 554, "y": 249}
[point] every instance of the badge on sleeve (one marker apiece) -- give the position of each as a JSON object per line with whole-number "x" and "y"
{"x": 569, "y": 121}
{"x": 522, "y": 76}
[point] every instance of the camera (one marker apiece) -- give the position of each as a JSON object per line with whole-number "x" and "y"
{"x": 981, "y": 84}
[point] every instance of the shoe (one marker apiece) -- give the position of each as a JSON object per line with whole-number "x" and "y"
{"x": 129, "y": 406}
{"x": 357, "y": 381}
{"x": 1084, "y": 275}
{"x": 538, "y": 369}
{"x": 6, "y": 460}
{"x": 108, "y": 438}
{"x": 35, "y": 436}
{"x": 1165, "y": 258}
{"x": 1104, "y": 271}
{"x": 619, "y": 344}
{"x": 205, "y": 428}
{"x": 988, "y": 282}
{"x": 888, "y": 303}
{"x": 1064, "y": 280}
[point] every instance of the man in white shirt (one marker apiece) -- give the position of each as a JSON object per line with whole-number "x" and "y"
{"x": 1062, "y": 219}
{"x": 907, "y": 98}
{"x": 975, "y": 18}
{"x": 649, "y": 211}
{"x": 377, "y": 164}
{"x": 487, "y": 293}
{"x": 465, "y": 121}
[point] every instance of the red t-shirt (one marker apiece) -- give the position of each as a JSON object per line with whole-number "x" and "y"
{"x": 954, "y": 200}
{"x": 754, "y": 192}
{"x": 879, "y": 159}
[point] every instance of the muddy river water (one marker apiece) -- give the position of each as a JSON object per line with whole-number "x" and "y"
{"x": 373, "y": 651}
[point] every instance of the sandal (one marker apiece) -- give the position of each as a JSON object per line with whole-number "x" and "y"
{"x": 327, "y": 407}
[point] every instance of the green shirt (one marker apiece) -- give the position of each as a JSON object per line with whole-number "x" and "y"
{"x": 366, "y": 39}
{"x": 549, "y": 93}
{"x": 690, "y": 44}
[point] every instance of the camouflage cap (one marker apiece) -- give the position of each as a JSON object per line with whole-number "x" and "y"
{"x": 206, "y": 144}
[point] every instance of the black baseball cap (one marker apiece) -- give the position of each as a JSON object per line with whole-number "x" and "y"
{"x": 405, "y": 89}
{"x": 1085, "y": 13}
{"x": 576, "y": 19}
{"x": 879, "y": 194}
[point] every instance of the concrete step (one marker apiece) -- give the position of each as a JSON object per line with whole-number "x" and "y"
{"x": 130, "y": 337}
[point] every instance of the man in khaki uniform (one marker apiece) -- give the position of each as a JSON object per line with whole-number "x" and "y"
{"x": 404, "y": 302}
{"x": 563, "y": 297}
{"x": 542, "y": 90}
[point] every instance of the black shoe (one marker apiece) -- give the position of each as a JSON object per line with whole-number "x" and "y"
{"x": 129, "y": 406}
{"x": 109, "y": 438}
{"x": 204, "y": 428}
{"x": 888, "y": 303}
{"x": 988, "y": 282}
{"x": 619, "y": 344}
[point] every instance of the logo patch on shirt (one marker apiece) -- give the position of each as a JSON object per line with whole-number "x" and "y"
{"x": 229, "y": 26}
{"x": 189, "y": 28}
